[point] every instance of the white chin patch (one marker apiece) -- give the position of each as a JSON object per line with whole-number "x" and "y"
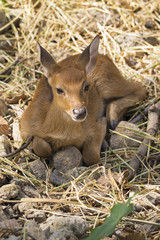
{"x": 78, "y": 120}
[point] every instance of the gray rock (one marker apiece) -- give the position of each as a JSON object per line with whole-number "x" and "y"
{"x": 117, "y": 141}
{"x": 38, "y": 169}
{"x": 67, "y": 159}
{"x": 25, "y": 206}
{"x": 63, "y": 234}
{"x": 57, "y": 178}
{"x": 75, "y": 224}
{"x": 38, "y": 216}
{"x": 9, "y": 191}
{"x": 18, "y": 181}
{"x": 2, "y": 214}
{"x": 30, "y": 191}
{"x": 34, "y": 231}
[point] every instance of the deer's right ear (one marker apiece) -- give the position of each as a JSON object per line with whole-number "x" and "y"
{"x": 47, "y": 61}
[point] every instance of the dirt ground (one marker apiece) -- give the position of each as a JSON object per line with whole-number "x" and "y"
{"x": 65, "y": 200}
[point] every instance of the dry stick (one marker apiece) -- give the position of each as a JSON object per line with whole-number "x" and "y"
{"x": 140, "y": 115}
{"x": 19, "y": 149}
{"x": 152, "y": 129}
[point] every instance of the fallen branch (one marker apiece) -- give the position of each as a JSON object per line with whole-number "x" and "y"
{"x": 141, "y": 115}
{"x": 152, "y": 129}
{"x": 19, "y": 149}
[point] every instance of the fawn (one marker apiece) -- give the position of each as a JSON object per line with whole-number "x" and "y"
{"x": 69, "y": 102}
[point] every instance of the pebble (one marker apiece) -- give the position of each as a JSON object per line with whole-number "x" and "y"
{"x": 67, "y": 159}
{"x": 38, "y": 169}
{"x": 9, "y": 191}
{"x": 75, "y": 224}
{"x": 117, "y": 141}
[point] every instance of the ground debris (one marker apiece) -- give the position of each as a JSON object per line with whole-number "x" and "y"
{"x": 9, "y": 191}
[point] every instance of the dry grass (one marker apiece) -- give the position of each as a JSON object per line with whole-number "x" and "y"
{"x": 66, "y": 27}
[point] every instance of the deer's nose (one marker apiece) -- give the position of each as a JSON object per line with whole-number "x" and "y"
{"x": 80, "y": 113}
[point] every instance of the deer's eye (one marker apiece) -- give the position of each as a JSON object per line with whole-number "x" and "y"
{"x": 86, "y": 88}
{"x": 60, "y": 91}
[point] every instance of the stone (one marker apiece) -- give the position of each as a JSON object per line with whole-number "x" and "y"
{"x": 64, "y": 234}
{"x": 2, "y": 214}
{"x": 25, "y": 206}
{"x": 38, "y": 216}
{"x": 118, "y": 141}
{"x": 34, "y": 231}
{"x": 57, "y": 178}
{"x": 67, "y": 158}
{"x": 75, "y": 224}
{"x": 38, "y": 169}
{"x": 9, "y": 191}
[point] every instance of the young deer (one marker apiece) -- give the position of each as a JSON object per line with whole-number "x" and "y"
{"x": 68, "y": 105}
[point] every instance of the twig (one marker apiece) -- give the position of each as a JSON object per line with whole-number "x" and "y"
{"x": 152, "y": 129}
{"x": 141, "y": 115}
{"x": 19, "y": 149}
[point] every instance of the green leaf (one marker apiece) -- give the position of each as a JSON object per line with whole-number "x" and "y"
{"x": 107, "y": 228}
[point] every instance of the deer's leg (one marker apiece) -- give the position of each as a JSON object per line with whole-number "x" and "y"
{"x": 92, "y": 147}
{"x": 41, "y": 147}
{"x": 116, "y": 109}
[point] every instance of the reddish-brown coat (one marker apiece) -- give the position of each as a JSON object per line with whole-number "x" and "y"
{"x": 50, "y": 117}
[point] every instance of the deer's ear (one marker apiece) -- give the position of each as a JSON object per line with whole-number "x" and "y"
{"x": 88, "y": 58}
{"x": 47, "y": 61}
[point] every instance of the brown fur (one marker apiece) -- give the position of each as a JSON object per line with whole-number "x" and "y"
{"x": 49, "y": 117}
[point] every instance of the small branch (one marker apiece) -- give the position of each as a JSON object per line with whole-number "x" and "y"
{"x": 140, "y": 115}
{"x": 152, "y": 129}
{"x": 142, "y": 221}
{"x": 19, "y": 149}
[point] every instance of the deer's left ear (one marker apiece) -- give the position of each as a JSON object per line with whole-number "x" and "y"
{"x": 88, "y": 58}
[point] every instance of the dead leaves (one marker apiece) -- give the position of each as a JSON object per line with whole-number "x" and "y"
{"x": 113, "y": 180}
